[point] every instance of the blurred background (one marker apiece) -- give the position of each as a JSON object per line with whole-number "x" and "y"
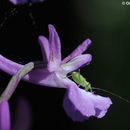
{"x": 105, "y": 22}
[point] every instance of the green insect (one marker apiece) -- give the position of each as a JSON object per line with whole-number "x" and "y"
{"x": 81, "y": 81}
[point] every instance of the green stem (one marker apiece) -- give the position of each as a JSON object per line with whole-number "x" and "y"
{"x": 18, "y": 76}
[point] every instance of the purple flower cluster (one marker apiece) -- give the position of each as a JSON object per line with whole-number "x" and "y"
{"x": 79, "y": 104}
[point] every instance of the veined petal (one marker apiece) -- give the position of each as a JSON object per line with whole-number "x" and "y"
{"x": 44, "y": 43}
{"x": 80, "y": 104}
{"x": 78, "y": 51}
{"x": 55, "y": 48}
{"x": 43, "y": 77}
{"x": 76, "y": 63}
{"x": 15, "y": 2}
{"x": 101, "y": 104}
{"x": 9, "y": 66}
{"x": 39, "y": 76}
{"x": 76, "y": 105}
{"x": 4, "y": 115}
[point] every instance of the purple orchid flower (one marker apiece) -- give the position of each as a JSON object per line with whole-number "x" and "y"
{"x": 16, "y": 2}
{"x": 78, "y": 103}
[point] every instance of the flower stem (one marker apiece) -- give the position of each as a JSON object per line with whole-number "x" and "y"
{"x": 18, "y": 76}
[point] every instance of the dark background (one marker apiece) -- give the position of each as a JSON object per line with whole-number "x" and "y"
{"x": 105, "y": 22}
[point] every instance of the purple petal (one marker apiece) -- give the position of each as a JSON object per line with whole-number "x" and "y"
{"x": 22, "y": 120}
{"x": 80, "y": 104}
{"x": 4, "y": 115}
{"x": 15, "y": 2}
{"x": 55, "y": 48}
{"x": 78, "y": 51}
{"x": 77, "y": 62}
{"x": 44, "y": 78}
{"x": 39, "y": 76}
{"x": 9, "y": 66}
{"x": 44, "y": 43}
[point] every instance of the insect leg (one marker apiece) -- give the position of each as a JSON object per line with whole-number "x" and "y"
{"x": 79, "y": 78}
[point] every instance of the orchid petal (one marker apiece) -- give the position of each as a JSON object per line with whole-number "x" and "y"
{"x": 80, "y": 104}
{"x": 44, "y": 43}
{"x": 4, "y": 115}
{"x": 42, "y": 77}
{"x": 77, "y": 62}
{"x": 78, "y": 51}
{"x": 9, "y": 66}
{"x": 55, "y": 48}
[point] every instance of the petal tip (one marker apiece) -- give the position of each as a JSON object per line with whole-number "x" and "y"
{"x": 51, "y": 27}
{"x": 86, "y": 44}
{"x": 110, "y": 101}
{"x": 101, "y": 111}
{"x": 89, "y": 58}
{"x": 89, "y": 41}
{"x": 40, "y": 37}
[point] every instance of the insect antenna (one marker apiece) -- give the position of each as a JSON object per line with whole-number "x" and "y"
{"x": 112, "y": 94}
